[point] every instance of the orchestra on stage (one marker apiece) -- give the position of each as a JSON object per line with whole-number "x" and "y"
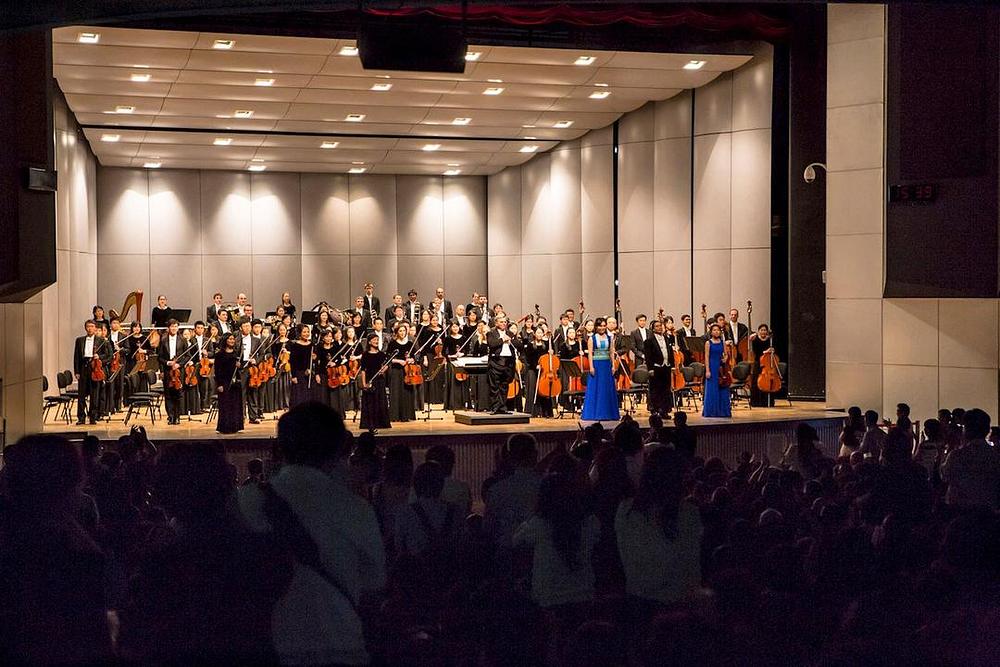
{"x": 398, "y": 364}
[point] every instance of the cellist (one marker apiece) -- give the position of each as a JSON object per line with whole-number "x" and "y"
{"x": 760, "y": 343}
{"x": 535, "y": 404}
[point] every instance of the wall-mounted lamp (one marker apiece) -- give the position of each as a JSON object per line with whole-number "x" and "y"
{"x": 809, "y": 175}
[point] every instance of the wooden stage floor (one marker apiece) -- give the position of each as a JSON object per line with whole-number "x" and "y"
{"x": 443, "y": 425}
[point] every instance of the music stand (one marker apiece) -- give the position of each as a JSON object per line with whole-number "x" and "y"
{"x": 572, "y": 371}
{"x": 182, "y": 315}
{"x": 309, "y": 317}
{"x": 271, "y": 313}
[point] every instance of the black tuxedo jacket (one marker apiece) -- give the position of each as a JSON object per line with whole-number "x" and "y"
{"x": 163, "y": 351}
{"x": 653, "y": 354}
{"x": 741, "y": 330}
{"x": 102, "y": 350}
{"x": 390, "y": 315}
{"x": 256, "y": 349}
{"x": 448, "y": 312}
{"x": 495, "y": 345}
{"x": 212, "y": 313}
{"x": 412, "y": 311}
{"x": 372, "y": 303}
{"x": 638, "y": 344}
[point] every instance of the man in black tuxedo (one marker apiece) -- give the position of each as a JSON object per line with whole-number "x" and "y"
{"x": 502, "y": 354}
{"x": 559, "y": 333}
{"x": 172, "y": 346}
{"x": 371, "y": 303}
{"x": 736, "y": 326}
{"x": 249, "y": 347}
{"x": 658, "y": 352}
{"x": 390, "y": 311}
{"x": 412, "y": 309}
{"x": 378, "y": 329}
{"x": 445, "y": 311}
{"x": 204, "y": 348}
{"x": 639, "y": 337}
{"x": 86, "y": 348}
{"x": 213, "y": 310}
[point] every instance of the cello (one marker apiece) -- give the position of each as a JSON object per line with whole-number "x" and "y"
{"x": 769, "y": 381}
{"x": 549, "y": 385}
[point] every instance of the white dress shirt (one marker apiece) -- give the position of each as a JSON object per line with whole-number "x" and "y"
{"x": 88, "y": 347}
{"x": 172, "y": 346}
{"x": 246, "y": 348}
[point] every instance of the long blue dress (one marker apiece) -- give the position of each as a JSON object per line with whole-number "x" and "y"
{"x": 716, "y": 398}
{"x": 600, "y": 403}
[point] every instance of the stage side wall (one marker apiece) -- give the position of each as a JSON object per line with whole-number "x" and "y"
{"x": 930, "y": 353}
{"x": 188, "y": 234}
{"x": 557, "y": 244}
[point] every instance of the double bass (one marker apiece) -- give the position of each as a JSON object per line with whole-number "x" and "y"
{"x": 769, "y": 381}
{"x": 743, "y": 345}
{"x": 549, "y": 385}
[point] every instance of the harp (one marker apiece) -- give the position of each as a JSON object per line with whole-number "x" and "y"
{"x": 134, "y": 299}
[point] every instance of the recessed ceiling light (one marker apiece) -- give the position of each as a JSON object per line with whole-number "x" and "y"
{"x": 493, "y": 91}
{"x": 452, "y": 172}
{"x": 532, "y": 138}
{"x": 88, "y": 37}
{"x": 224, "y": 44}
{"x": 528, "y": 126}
{"x": 461, "y": 121}
{"x": 382, "y": 87}
{"x": 599, "y": 94}
{"x": 242, "y": 113}
{"x": 348, "y": 51}
{"x": 151, "y": 165}
{"x": 124, "y": 108}
{"x": 495, "y": 80}
{"x": 256, "y": 159}
{"x": 454, "y": 164}
{"x": 263, "y": 82}
{"x": 694, "y": 64}
{"x": 562, "y": 124}
{"x": 110, "y": 138}
{"x": 222, "y": 141}
{"x": 431, "y": 147}
{"x": 529, "y": 149}
{"x": 382, "y": 76}
{"x": 357, "y": 170}
{"x": 601, "y": 85}
{"x": 585, "y": 60}
{"x": 357, "y": 161}
{"x": 141, "y": 78}
{"x": 329, "y": 144}
{"x": 141, "y": 66}
{"x": 257, "y": 167}
{"x": 354, "y": 117}
{"x": 473, "y": 56}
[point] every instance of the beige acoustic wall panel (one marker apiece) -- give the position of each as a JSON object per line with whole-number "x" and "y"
{"x": 423, "y": 273}
{"x": 536, "y": 207}
{"x": 276, "y": 214}
{"x": 123, "y": 212}
{"x": 713, "y": 106}
{"x": 272, "y": 275}
{"x": 596, "y": 208}
{"x": 464, "y": 212}
{"x": 567, "y": 282}
{"x": 712, "y": 280}
{"x": 672, "y": 194}
{"x": 635, "y": 289}
{"x": 382, "y": 270}
{"x": 373, "y": 215}
{"x": 504, "y": 275}
{"x": 327, "y": 278}
{"x": 635, "y": 195}
{"x": 751, "y": 189}
{"x": 503, "y": 233}
{"x": 229, "y": 274}
{"x": 672, "y": 118}
{"x": 536, "y": 283}
{"x": 179, "y": 277}
{"x": 464, "y": 274}
{"x": 752, "y": 85}
{"x": 598, "y": 282}
{"x": 117, "y": 275}
{"x": 564, "y": 197}
{"x": 751, "y": 279}
{"x": 712, "y": 191}
{"x": 325, "y": 214}
{"x": 225, "y": 213}
{"x": 672, "y": 285}
{"x": 419, "y": 215}
{"x": 175, "y": 212}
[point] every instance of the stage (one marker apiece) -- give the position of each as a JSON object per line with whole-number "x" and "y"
{"x": 759, "y": 431}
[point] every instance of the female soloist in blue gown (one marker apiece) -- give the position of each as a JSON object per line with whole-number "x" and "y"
{"x": 716, "y": 398}
{"x": 600, "y": 403}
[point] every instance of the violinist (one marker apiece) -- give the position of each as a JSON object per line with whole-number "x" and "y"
{"x": 87, "y": 348}
{"x": 378, "y": 328}
{"x": 227, "y": 386}
{"x": 535, "y": 404}
{"x": 502, "y": 355}
{"x": 639, "y": 337}
{"x": 571, "y": 349}
{"x": 658, "y": 351}
{"x": 172, "y": 346}
{"x": 249, "y": 343}
{"x": 456, "y": 395}
{"x": 716, "y": 397}
{"x": 330, "y": 356}
{"x": 322, "y": 326}
{"x": 353, "y": 349}
{"x": 561, "y": 333}
{"x": 282, "y": 378}
{"x": 430, "y": 337}
{"x": 402, "y": 404}
{"x": 760, "y": 343}
{"x": 204, "y": 349}
{"x": 374, "y": 404}
{"x": 301, "y": 361}
{"x": 116, "y": 375}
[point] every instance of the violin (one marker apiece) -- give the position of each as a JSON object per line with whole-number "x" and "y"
{"x": 769, "y": 381}
{"x": 583, "y": 363}
{"x": 191, "y": 376}
{"x": 677, "y": 380}
{"x": 97, "y": 373}
{"x": 284, "y": 360}
{"x": 256, "y": 377}
{"x": 116, "y": 362}
{"x": 623, "y": 374}
{"x": 514, "y": 388}
{"x": 175, "y": 379}
{"x": 413, "y": 374}
{"x": 205, "y": 367}
{"x": 140, "y": 360}
{"x": 726, "y": 365}
{"x": 333, "y": 376}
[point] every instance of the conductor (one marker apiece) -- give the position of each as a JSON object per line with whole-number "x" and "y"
{"x": 502, "y": 354}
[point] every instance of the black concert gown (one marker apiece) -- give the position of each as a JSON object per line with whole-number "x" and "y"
{"x": 230, "y": 393}
{"x": 374, "y": 402}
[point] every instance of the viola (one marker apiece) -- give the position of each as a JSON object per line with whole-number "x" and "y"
{"x": 353, "y": 368}
{"x": 677, "y": 380}
{"x": 191, "y": 376}
{"x": 256, "y": 377}
{"x": 549, "y": 384}
{"x": 769, "y": 381}
{"x": 116, "y": 362}
{"x": 140, "y": 361}
{"x": 332, "y": 381}
{"x": 284, "y": 360}
{"x": 413, "y": 374}
{"x": 205, "y": 367}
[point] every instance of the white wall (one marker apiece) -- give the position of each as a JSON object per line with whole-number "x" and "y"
{"x": 188, "y": 234}
{"x": 557, "y": 245}
{"x": 930, "y": 353}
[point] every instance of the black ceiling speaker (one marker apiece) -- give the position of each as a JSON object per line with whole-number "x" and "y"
{"x": 412, "y": 47}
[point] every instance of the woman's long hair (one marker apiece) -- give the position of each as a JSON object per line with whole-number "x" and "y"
{"x": 661, "y": 488}
{"x": 562, "y": 505}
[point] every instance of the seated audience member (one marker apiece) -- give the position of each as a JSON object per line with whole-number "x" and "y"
{"x": 429, "y": 522}
{"x": 255, "y": 472}
{"x": 803, "y": 456}
{"x": 53, "y": 607}
{"x": 207, "y": 594}
{"x": 973, "y": 470}
{"x": 366, "y": 464}
{"x": 392, "y": 492}
{"x": 659, "y": 526}
{"x": 929, "y": 452}
{"x": 900, "y": 485}
{"x": 317, "y": 621}
{"x": 683, "y": 436}
{"x": 455, "y": 491}
{"x": 512, "y": 499}
{"x": 562, "y": 534}
{"x": 871, "y": 443}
